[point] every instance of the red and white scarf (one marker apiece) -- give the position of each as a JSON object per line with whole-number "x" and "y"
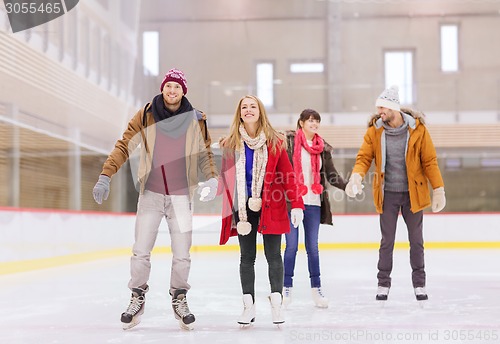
{"x": 315, "y": 150}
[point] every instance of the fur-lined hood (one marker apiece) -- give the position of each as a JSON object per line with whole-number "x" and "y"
{"x": 413, "y": 115}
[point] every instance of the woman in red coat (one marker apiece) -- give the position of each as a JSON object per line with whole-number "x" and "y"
{"x": 257, "y": 179}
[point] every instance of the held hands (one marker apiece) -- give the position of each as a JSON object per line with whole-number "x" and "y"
{"x": 296, "y": 216}
{"x": 101, "y": 189}
{"x": 354, "y": 186}
{"x": 438, "y": 199}
{"x": 208, "y": 190}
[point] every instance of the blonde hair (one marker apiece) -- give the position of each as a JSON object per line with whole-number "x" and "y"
{"x": 274, "y": 138}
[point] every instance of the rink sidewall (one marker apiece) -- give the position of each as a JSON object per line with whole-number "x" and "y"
{"x": 32, "y": 239}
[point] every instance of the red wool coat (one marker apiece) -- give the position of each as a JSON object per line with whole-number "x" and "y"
{"x": 279, "y": 185}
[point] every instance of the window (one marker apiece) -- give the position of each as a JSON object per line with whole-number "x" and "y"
{"x": 106, "y": 59}
{"x": 265, "y": 83}
{"x": 104, "y": 3}
{"x": 84, "y": 41}
{"x": 128, "y": 13}
{"x": 96, "y": 52}
{"x": 449, "y": 48}
{"x": 307, "y": 67}
{"x": 490, "y": 162}
{"x": 151, "y": 52}
{"x": 71, "y": 37}
{"x": 453, "y": 164}
{"x": 398, "y": 67}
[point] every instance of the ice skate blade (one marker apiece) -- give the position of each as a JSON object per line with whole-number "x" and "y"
{"x": 244, "y": 326}
{"x": 422, "y": 303}
{"x": 279, "y": 324}
{"x": 319, "y": 305}
{"x": 187, "y": 327}
{"x": 135, "y": 321}
{"x": 246, "y": 323}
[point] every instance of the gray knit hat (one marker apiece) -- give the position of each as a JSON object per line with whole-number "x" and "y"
{"x": 389, "y": 99}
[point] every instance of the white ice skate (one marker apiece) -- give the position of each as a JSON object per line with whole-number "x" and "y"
{"x": 287, "y": 296}
{"x": 276, "y": 301}
{"x": 319, "y": 299}
{"x": 248, "y": 315}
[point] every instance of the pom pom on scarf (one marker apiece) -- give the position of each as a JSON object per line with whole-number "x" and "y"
{"x": 255, "y": 204}
{"x": 317, "y": 189}
{"x": 244, "y": 227}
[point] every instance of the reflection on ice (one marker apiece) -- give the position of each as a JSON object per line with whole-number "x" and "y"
{"x": 82, "y": 303}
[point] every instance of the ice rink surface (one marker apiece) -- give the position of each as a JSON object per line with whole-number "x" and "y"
{"x": 82, "y": 303}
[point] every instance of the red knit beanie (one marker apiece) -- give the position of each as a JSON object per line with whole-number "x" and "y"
{"x": 177, "y": 76}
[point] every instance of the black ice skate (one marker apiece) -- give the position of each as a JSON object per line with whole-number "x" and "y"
{"x": 132, "y": 316}
{"x": 181, "y": 310}
{"x": 382, "y": 293}
{"x": 421, "y": 294}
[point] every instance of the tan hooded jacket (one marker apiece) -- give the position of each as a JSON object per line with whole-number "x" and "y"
{"x": 139, "y": 140}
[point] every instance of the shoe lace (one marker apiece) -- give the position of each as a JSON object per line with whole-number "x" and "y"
{"x": 181, "y": 307}
{"x": 382, "y": 290}
{"x": 420, "y": 291}
{"x": 320, "y": 293}
{"x": 287, "y": 292}
{"x": 135, "y": 305}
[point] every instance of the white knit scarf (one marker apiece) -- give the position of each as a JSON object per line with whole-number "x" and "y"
{"x": 258, "y": 145}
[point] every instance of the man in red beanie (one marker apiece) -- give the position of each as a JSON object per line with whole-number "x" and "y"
{"x": 171, "y": 142}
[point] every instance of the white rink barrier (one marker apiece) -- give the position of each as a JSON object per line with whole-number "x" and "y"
{"x": 31, "y": 239}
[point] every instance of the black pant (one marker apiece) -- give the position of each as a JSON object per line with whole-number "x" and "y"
{"x": 393, "y": 202}
{"x": 248, "y": 253}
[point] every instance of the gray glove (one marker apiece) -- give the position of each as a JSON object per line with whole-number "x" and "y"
{"x": 208, "y": 190}
{"x": 101, "y": 189}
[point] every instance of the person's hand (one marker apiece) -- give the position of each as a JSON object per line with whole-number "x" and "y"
{"x": 208, "y": 190}
{"x": 296, "y": 216}
{"x": 101, "y": 189}
{"x": 438, "y": 199}
{"x": 354, "y": 186}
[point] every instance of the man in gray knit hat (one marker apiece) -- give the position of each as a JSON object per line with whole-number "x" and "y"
{"x": 405, "y": 163}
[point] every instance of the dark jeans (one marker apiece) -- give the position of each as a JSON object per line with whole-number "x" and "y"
{"x": 312, "y": 217}
{"x": 393, "y": 202}
{"x": 248, "y": 253}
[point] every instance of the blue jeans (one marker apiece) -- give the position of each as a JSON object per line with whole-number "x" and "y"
{"x": 312, "y": 217}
